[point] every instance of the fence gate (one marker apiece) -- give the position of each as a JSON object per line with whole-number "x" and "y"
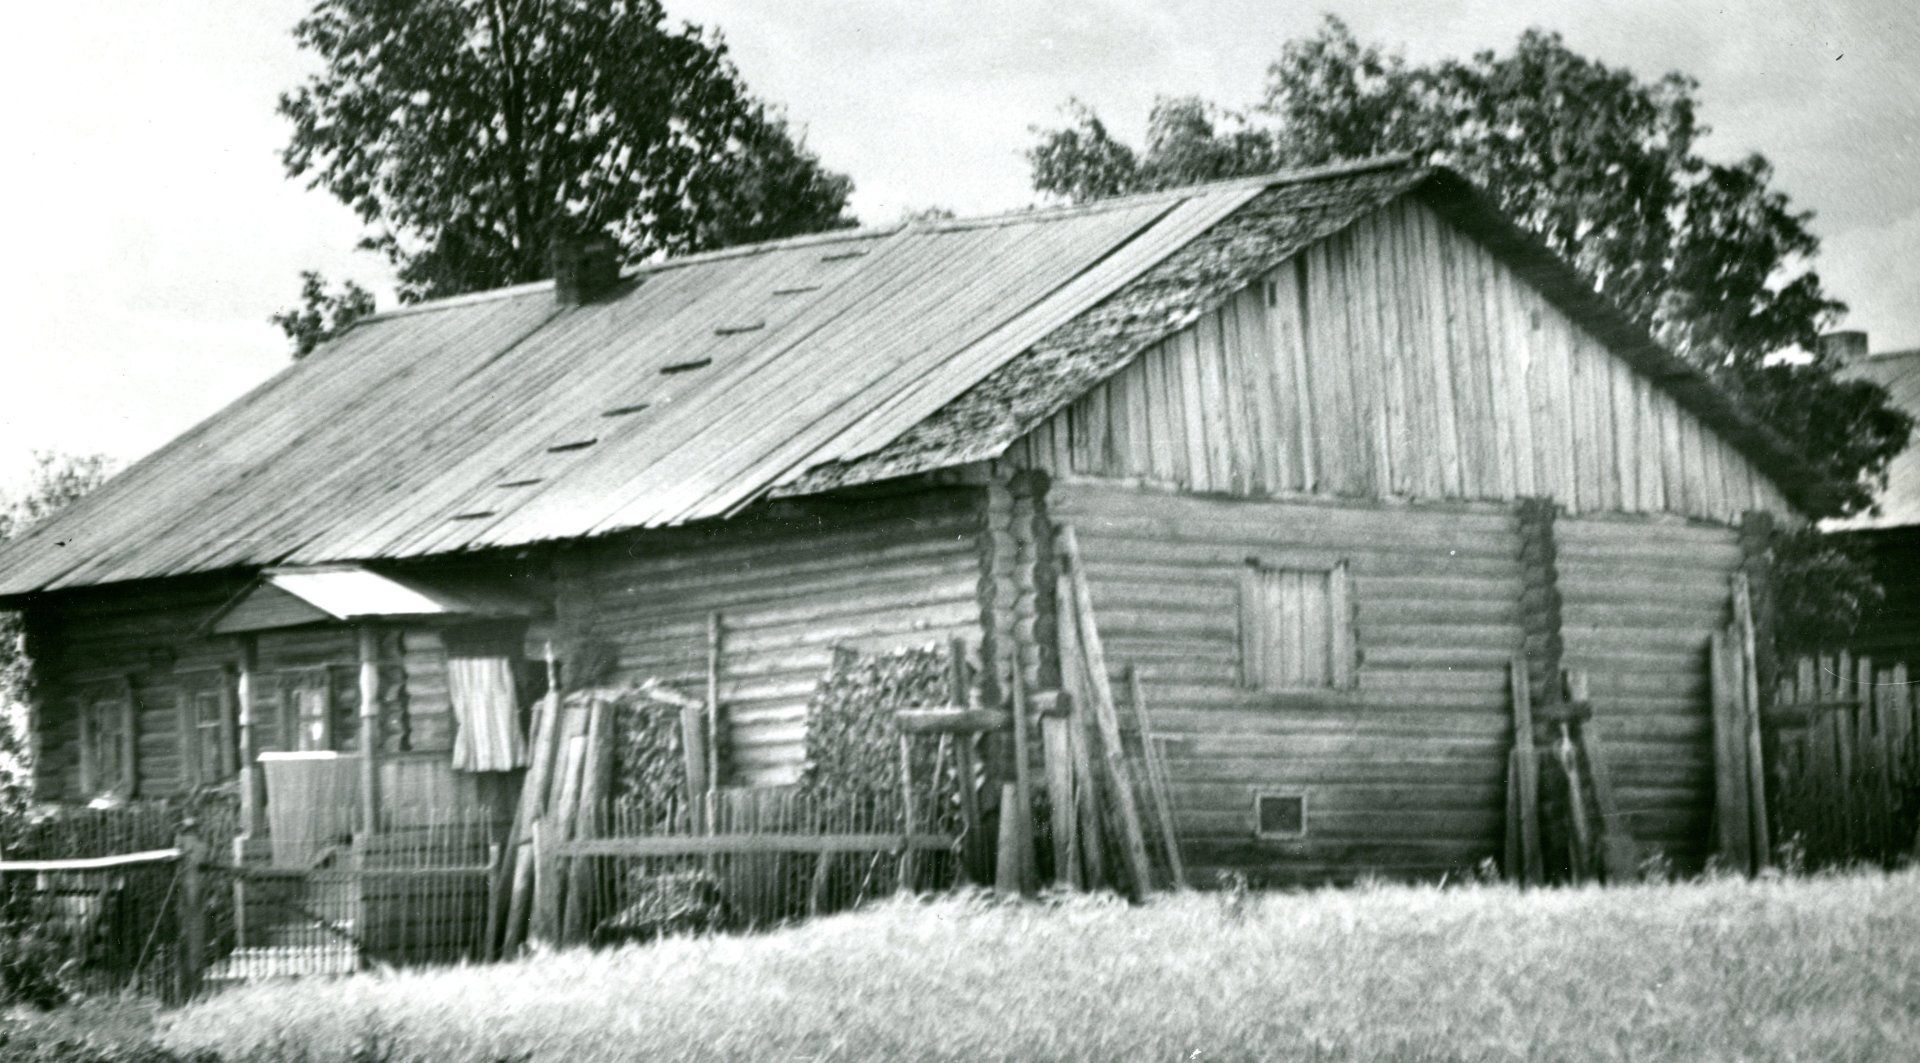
{"x": 1846, "y": 761}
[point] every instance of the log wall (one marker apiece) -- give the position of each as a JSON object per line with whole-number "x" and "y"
{"x": 1399, "y": 359}
{"x": 138, "y": 637}
{"x": 144, "y": 639}
{"x": 1405, "y": 773}
{"x": 1639, "y": 602}
{"x": 789, "y": 586}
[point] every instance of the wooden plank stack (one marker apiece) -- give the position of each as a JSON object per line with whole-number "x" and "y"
{"x": 1596, "y": 831}
{"x": 1105, "y": 795}
{"x": 570, "y": 773}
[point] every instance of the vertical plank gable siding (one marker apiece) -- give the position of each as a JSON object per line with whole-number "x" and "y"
{"x": 1403, "y": 772}
{"x": 872, "y": 575}
{"x": 1399, "y": 359}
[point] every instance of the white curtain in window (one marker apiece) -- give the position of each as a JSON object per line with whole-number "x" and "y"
{"x": 487, "y": 737}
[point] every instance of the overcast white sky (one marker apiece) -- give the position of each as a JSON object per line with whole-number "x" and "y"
{"x": 152, "y": 233}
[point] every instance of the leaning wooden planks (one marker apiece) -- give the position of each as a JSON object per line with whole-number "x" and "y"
{"x": 1076, "y": 612}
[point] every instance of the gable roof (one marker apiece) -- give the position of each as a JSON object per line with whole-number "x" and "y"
{"x": 1899, "y": 373}
{"x": 709, "y": 382}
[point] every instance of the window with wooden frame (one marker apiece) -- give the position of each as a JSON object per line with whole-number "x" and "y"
{"x": 108, "y": 740}
{"x": 1296, "y": 628}
{"x": 209, "y": 751}
{"x": 272, "y": 730}
{"x": 310, "y": 701}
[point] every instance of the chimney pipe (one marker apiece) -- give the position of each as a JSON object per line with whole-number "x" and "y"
{"x": 586, "y": 266}
{"x": 1844, "y": 347}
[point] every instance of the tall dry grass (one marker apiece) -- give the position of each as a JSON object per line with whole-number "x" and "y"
{"x": 1821, "y": 968}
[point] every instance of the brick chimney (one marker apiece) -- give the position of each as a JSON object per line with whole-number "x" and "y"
{"x": 1844, "y": 347}
{"x": 586, "y": 266}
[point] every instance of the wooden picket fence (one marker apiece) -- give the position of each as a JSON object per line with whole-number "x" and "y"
{"x": 1846, "y": 761}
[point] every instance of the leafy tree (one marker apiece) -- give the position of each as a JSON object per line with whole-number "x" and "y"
{"x": 1601, "y": 165}
{"x": 56, "y": 480}
{"x": 463, "y": 132}
{"x": 322, "y": 314}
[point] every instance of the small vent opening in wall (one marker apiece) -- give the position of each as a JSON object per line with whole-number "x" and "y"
{"x": 1280, "y": 815}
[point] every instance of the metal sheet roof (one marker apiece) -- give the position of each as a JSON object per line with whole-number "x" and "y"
{"x": 505, "y": 419}
{"x": 705, "y": 383}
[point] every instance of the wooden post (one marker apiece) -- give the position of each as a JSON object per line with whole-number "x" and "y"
{"x": 130, "y": 736}
{"x": 1157, "y": 783}
{"x": 544, "y": 921}
{"x": 1619, "y": 849}
{"x": 1756, "y": 770}
{"x": 230, "y": 762}
{"x": 1107, "y": 718}
{"x": 1009, "y": 875}
{"x": 1081, "y": 738}
{"x": 89, "y": 782}
{"x": 973, "y": 845}
{"x": 369, "y": 729}
{"x": 693, "y": 742}
{"x": 533, "y": 805}
{"x": 1526, "y": 862}
{"x": 907, "y": 825}
{"x": 193, "y": 909}
{"x": 596, "y": 773}
{"x": 1730, "y": 779}
{"x": 1057, "y": 747}
{"x": 713, "y": 704}
{"x": 1023, "y": 780}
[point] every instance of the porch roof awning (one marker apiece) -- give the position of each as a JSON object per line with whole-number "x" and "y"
{"x": 319, "y": 594}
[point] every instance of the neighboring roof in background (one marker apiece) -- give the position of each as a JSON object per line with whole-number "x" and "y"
{"x": 1899, "y": 373}
{"x": 709, "y": 382}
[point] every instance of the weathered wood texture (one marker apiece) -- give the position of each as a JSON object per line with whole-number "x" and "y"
{"x": 1400, "y": 359}
{"x": 146, "y": 637}
{"x": 102, "y": 639}
{"x": 790, "y": 585}
{"x": 1847, "y": 761}
{"x": 1640, "y": 602}
{"x": 1406, "y": 770}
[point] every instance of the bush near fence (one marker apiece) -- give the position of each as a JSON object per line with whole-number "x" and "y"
{"x": 77, "y": 932}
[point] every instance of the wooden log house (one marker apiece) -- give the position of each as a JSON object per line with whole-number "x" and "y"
{"x": 1337, "y": 445}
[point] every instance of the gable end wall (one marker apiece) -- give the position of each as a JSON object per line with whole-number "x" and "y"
{"x": 1399, "y": 359}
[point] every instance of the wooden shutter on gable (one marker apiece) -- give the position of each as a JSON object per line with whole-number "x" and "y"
{"x": 1296, "y": 628}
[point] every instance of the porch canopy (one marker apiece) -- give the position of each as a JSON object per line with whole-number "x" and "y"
{"x": 332, "y": 594}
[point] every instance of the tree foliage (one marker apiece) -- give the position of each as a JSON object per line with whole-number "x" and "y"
{"x": 322, "y": 314}
{"x": 1602, "y": 165}
{"x": 464, "y": 131}
{"x": 55, "y": 481}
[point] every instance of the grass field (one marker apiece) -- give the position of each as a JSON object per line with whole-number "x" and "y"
{"x": 1819, "y": 968}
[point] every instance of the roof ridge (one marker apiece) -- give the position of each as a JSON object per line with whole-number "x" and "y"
{"x": 1270, "y": 179}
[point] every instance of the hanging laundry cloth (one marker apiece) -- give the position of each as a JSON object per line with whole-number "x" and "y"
{"x": 486, "y": 710}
